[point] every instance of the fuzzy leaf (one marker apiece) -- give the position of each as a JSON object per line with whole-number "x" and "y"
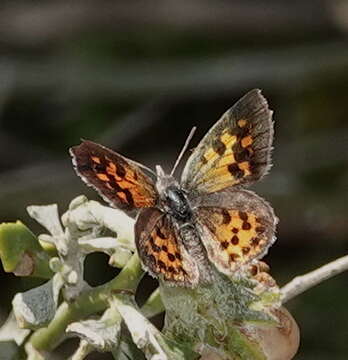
{"x": 88, "y": 214}
{"x": 146, "y": 337}
{"x": 47, "y": 216}
{"x": 36, "y": 307}
{"x": 153, "y": 305}
{"x": 10, "y": 331}
{"x": 118, "y": 250}
{"x": 127, "y": 350}
{"x": 82, "y": 351}
{"x": 102, "y": 334}
{"x": 209, "y": 314}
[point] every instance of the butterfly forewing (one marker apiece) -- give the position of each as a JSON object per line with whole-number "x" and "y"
{"x": 118, "y": 180}
{"x": 161, "y": 249}
{"x": 236, "y": 150}
{"x": 235, "y": 228}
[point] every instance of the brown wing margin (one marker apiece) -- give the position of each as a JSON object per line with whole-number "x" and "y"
{"x": 161, "y": 251}
{"x": 236, "y": 150}
{"x": 118, "y": 180}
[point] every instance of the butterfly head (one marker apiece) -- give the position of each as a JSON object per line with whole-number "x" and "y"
{"x": 164, "y": 181}
{"x": 173, "y": 199}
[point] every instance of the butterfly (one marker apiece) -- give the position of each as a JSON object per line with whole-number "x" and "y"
{"x": 208, "y": 219}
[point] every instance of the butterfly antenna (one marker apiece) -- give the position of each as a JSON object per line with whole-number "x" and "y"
{"x": 187, "y": 142}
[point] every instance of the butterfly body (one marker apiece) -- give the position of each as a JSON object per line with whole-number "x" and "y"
{"x": 177, "y": 204}
{"x": 172, "y": 198}
{"x": 207, "y": 220}
{"x": 175, "y": 208}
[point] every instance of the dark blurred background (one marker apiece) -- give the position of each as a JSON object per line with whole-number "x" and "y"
{"x": 137, "y": 75}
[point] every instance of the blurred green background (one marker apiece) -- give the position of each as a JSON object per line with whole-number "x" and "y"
{"x": 137, "y": 75}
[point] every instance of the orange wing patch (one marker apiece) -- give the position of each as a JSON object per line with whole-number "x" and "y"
{"x": 228, "y": 160}
{"x": 119, "y": 181}
{"x": 165, "y": 255}
{"x": 221, "y": 152}
{"x": 238, "y": 236}
{"x": 160, "y": 251}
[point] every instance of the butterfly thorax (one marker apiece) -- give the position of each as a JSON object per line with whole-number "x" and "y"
{"x": 172, "y": 198}
{"x": 176, "y": 203}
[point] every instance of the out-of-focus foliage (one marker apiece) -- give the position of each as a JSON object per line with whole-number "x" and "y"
{"x": 136, "y": 76}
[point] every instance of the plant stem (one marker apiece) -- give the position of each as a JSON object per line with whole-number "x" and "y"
{"x": 90, "y": 302}
{"x": 153, "y": 305}
{"x": 302, "y": 283}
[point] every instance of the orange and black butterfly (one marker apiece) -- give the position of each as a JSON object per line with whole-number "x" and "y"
{"x": 207, "y": 219}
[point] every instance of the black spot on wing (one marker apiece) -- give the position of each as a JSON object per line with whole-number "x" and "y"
{"x": 219, "y": 147}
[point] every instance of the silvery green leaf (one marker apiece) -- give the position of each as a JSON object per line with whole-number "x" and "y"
{"x": 120, "y": 257}
{"x": 82, "y": 351}
{"x": 79, "y": 214}
{"x": 153, "y": 305}
{"x": 36, "y": 307}
{"x": 118, "y": 250}
{"x": 47, "y": 238}
{"x": 47, "y": 216}
{"x": 87, "y": 214}
{"x": 145, "y": 336}
{"x": 103, "y": 334}
{"x": 56, "y": 264}
{"x": 222, "y": 310}
{"x": 107, "y": 245}
{"x": 127, "y": 350}
{"x": 11, "y": 331}
{"x": 115, "y": 220}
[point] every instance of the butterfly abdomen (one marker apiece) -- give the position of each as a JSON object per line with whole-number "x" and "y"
{"x": 194, "y": 246}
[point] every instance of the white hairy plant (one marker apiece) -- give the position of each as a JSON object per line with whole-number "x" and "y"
{"x": 233, "y": 318}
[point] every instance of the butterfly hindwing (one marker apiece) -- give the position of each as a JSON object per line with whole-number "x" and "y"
{"x": 236, "y": 150}
{"x": 235, "y": 228}
{"x": 161, "y": 249}
{"x": 118, "y": 180}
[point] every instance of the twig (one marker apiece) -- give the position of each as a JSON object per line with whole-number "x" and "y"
{"x": 302, "y": 283}
{"x": 90, "y": 302}
{"x": 153, "y": 305}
